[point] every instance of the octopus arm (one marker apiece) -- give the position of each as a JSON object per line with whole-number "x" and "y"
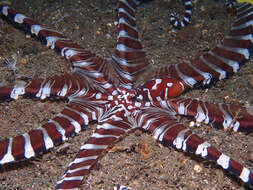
{"x": 169, "y": 132}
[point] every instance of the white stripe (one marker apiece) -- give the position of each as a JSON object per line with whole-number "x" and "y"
{"x": 128, "y": 5}
{"x": 18, "y": 89}
{"x": 96, "y": 135}
{"x": 214, "y": 67}
{"x": 82, "y": 115}
{"x": 223, "y": 161}
{"x": 79, "y": 160}
{"x": 109, "y": 126}
{"x": 78, "y": 169}
{"x": 245, "y": 174}
{"x": 200, "y": 116}
{"x": 19, "y": 18}
{"x": 79, "y": 178}
{"x": 93, "y": 147}
{"x": 178, "y": 141}
{"x": 59, "y": 129}
{"x": 168, "y": 128}
{"x": 228, "y": 120}
{"x": 47, "y": 140}
{"x": 76, "y": 125}
{"x": 122, "y": 10}
{"x": 29, "y": 152}
{"x": 5, "y": 10}
{"x": 35, "y": 29}
{"x": 188, "y": 80}
{"x": 202, "y": 149}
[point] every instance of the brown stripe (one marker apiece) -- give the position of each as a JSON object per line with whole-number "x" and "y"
{"x": 4, "y": 144}
{"x": 18, "y": 145}
{"x": 37, "y": 141}
{"x": 70, "y": 184}
{"x": 33, "y": 87}
{"x": 229, "y": 54}
{"x": 234, "y": 43}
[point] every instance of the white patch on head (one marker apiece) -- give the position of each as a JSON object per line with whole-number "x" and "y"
{"x": 157, "y": 82}
{"x": 223, "y": 161}
{"x": 19, "y": 18}
{"x": 169, "y": 84}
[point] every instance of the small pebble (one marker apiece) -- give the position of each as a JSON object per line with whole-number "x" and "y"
{"x": 197, "y": 168}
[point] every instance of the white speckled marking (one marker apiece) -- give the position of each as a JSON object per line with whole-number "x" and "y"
{"x": 157, "y": 82}
{"x": 169, "y": 84}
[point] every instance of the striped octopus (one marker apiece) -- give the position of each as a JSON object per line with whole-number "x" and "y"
{"x": 121, "y": 107}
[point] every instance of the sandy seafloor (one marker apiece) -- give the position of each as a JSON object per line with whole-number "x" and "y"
{"x": 138, "y": 161}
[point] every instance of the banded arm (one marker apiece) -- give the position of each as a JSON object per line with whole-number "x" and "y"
{"x": 74, "y": 117}
{"x": 219, "y": 63}
{"x": 219, "y": 115}
{"x": 62, "y": 86}
{"x": 168, "y": 131}
{"x": 81, "y": 59}
{"x": 129, "y": 59}
{"x": 106, "y": 134}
